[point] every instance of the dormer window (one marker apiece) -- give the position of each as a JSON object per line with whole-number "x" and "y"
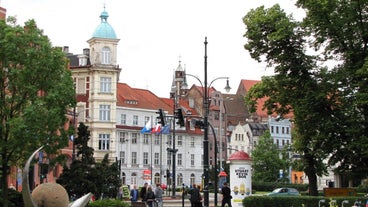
{"x": 105, "y": 59}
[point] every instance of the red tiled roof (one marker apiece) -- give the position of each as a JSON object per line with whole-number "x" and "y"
{"x": 139, "y": 98}
{"x": 260, "y": 102}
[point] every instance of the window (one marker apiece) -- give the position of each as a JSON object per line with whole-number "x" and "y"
{"x": 145, "y": 139}
{"x": 134, "y": 179}
{"x": 287, "y": 130}
{"x": 104, "y": 142}
{"x": 277, "y": 130}
{"x": 272, "y": 130}
{"x": 180, "y": 159}
{"x": 81, "y": 86}
{"x": 217, "y": 115}
{"x": 105, "y": 55}
{"x": 169, "y": 140}
{"x": 134, "y": 138}
{"x": 169, "y": 159}
{"x": 157, "y": 158}
{"x": 135, "y": 120}
{"x": 122, "y": 157}
{"x": 180, "y": 140}
{"x": 134, "y": 158}
{"x": 104, "y": 112}
{"x": 157, "y": 179}
{"x": 122, "y": 137}
{"x": 180, "y": 179}
{"x": 105, "y": 85}
{"x": 192, "y": 159}
{"x": 283, "y": 130}
{"x": 123, "y": 119}
{"x": 145, "y": 158}
{"x": 146, "y": 120}
{"x": 157, "y": 139}
{"x": 192, "y": 179}
{"x": 192, "y": 142}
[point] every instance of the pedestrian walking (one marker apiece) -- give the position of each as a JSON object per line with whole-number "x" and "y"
{"x": 143, "y": 191}
{"x": 226, "y": 195}
{"x": 200, "y": 197}
{"x": 195, "y": 196}
{"x": 150, "y": 197}
{"x": 192, "y": 195}
{"x": 134, "y": 194}
{"x": 158, "y": 195}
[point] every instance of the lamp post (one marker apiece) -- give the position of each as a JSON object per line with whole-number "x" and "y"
{"x": 75, "y": 116}
{"x": 215, "y": 171}
{"x": 75, "y": 130}
{"x": 205, "y": 125}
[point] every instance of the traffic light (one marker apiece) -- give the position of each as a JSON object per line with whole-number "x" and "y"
{"x": 161, "y": 117}
{"x": 180, "y": 117}
{"x": 197, "y": 123}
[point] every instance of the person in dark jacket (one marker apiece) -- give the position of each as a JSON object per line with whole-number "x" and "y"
{"x": 195, "y": 196}
{"x": 143, "y": 191}
{"x": 150, "y": 197}
{"x": 226, "y": 195}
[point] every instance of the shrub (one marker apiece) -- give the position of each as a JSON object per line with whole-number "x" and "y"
{"x": 15, "y": 198}
{"x": 108, "y": 203}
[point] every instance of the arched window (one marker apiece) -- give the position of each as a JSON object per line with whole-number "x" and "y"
{"x": 157, "y": 178}
{"x": 123, "y": 179}
{"x": 180, "y": 179}
{"x": 134, "y": 179}
{"x": 192, "y": 179}
{"x": 105, "y": 59}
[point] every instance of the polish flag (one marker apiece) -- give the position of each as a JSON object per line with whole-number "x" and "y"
{"x": 156, "y": 129}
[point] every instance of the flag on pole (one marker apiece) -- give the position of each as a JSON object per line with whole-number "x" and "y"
{"x": 147, "y": 128}
{"x": 156, "y": 129}
{"x": 165, "y": 129}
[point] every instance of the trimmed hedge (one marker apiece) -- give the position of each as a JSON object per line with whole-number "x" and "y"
{"x": 270, "y": 186}
{"x": 299, "y": 201}
{"x": 108, "y": 203}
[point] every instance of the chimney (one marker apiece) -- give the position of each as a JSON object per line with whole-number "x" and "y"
{"x": 66, "y": 49}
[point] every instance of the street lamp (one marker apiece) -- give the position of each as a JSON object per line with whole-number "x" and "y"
{"x": 205, "y": 124}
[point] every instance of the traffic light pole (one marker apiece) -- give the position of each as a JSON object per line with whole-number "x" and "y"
{"x": 174, "y": 153}
{"x": 205, "y": 139}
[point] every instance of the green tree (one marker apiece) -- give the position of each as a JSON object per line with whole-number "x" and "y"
{"x": 329, "y": 105}
{"x": 109, "y": 182}
{"x": 340, "y": 28}
{"x": 268, "y": 160}
{"x": 36, "y": 89}
{"x": 85, "y": 175}
{"x": 82, "y": 175}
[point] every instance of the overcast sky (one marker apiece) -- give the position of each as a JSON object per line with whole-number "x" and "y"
{"x": 155, "y": 34}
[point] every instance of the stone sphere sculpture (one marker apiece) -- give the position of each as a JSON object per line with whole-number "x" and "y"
{"x": 48, "y": 194}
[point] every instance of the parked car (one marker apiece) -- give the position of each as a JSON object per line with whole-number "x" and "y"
{"x": 284, "y": 192}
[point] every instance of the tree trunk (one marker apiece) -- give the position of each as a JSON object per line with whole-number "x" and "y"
{"x": 4, "y": 182}
{"x": 310, "y": 171}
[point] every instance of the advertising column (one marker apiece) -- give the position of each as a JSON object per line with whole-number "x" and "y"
{"x": 240, "y": 177}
